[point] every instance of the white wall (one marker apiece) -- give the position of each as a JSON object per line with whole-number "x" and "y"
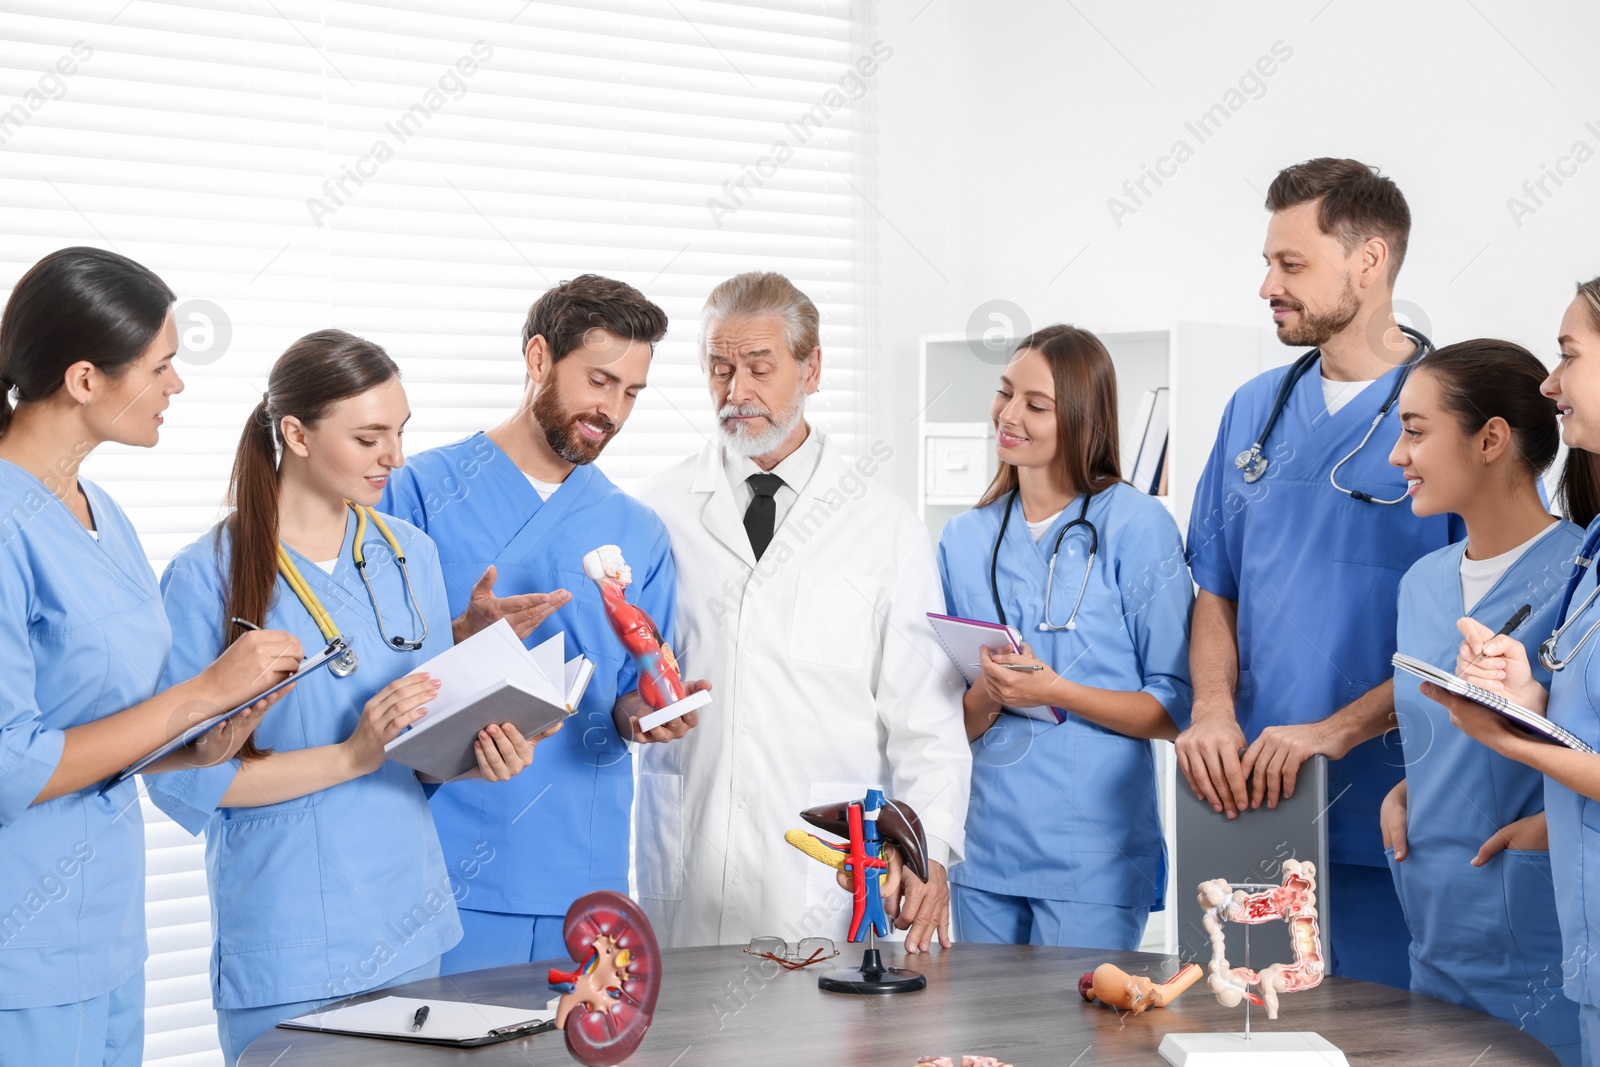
{"x": 1004, "y": 127}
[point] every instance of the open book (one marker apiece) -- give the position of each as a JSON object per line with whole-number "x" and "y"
{"x": 1530, "y": 722}
{"x": 490, "y": 678}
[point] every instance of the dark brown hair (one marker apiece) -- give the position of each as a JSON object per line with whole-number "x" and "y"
{"x": 564, "y": 313}
{"x": 1579, "y": 488}
{"x": 1485, "y": 378}
{"x": 1355, "y": 203}
{"x": 74, "y": 305}
{"x": 1086, "y": 412}
{"x": 312, "y": 375}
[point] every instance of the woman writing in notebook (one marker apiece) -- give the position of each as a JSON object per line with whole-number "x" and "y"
{"x": 325, "y": 869}
{"x": 1572, "y": 699}
{"x": 1064, "y": 841}
{"x": 1465, "y": 829}
{"x": 86, "y": 346}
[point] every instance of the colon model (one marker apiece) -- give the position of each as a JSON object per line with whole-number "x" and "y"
{"x": 1295, "y": 901}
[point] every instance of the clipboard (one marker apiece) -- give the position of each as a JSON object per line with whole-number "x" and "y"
{"x": 451, "y": 1024}
{"x": 1529, "y": 722}
{"x": 313, "y": 663}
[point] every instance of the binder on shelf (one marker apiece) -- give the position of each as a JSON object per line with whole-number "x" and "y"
{"x": 1154, "y": 422}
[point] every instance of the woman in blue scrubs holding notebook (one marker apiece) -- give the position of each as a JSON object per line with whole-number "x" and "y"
{"x": 86, "y": 345}
{"x": 1064, "y": 842}
{"x": 326, "y": 874}
{"x": 1572, "y": 699}
{"x": 1465, "y": 830}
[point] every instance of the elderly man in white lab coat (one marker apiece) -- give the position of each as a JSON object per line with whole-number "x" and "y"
{"x": 803, "y": 588}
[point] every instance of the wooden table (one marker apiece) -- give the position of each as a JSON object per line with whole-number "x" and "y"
{"x": 722, "y": 1007}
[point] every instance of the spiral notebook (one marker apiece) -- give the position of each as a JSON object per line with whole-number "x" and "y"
{"x": 1530, "y": 722}
{"x": 962, "y": 638}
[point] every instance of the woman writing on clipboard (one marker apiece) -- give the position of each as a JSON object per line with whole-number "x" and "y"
{"x": 325, "y": 869}
{"x": 1064, "y": 841}
{"x": 1465, "y": 829}
{"x": 1572, "y": 700}
{"x": 86, "y": 345}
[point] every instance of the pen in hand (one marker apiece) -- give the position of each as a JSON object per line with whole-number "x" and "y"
{"x": 419, "y": 1018}
{"x": 244, "y": 624}
{"x": 1518, "y": 617}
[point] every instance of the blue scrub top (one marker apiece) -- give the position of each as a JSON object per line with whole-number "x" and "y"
{"x": 1573, "y": 818}
{"x": 561, "y": 828}
{"x": 1070, "y": 811}
{"x": 344, "y": 889}
{"x": 1315, "y": 574}
{"x": 82, "y": 636}
{"x": 1483, "y": 937}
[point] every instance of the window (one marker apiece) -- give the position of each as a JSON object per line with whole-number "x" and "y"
{"x": 417, "y": 174}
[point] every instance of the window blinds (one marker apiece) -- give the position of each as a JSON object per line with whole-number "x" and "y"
{"x": 417, "y": 171}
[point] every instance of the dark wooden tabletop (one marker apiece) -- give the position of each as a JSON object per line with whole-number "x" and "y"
{"x": 721, "y": 1007}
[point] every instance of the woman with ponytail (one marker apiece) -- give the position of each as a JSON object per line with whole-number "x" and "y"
{"x": 1572, "y": 697}
{"x": 86, "y": 346}
{"x": 1473, "y": 876}
{"x": 326, "y": 874}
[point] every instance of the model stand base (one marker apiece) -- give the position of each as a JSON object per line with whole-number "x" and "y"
{"x": 872, "y": 978}
{"x": 1266, "y": 1049}
{"x": 678, "y": 707}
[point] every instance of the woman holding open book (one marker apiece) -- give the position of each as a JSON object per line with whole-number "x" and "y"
{"x": 1465, "y": 829}
{"x": 326, "y": 874}
{"x": 1572, "y": 699}
{"x": 1064, "y": 841}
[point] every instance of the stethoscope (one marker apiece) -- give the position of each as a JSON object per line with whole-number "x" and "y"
{"x": 1253, "y": 462}
{"x": 345, "y": 663}
{"x": 1050, "y": 577}
{"x": 1547, "y": 647}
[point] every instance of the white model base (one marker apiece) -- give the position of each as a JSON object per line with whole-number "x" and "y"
{"x": 673, "y": 710}
{"x": 1266, "y": 1049}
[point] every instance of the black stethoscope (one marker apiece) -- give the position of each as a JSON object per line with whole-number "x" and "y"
{"x": 1050, "y": 578}
{"x": 1254, "y": 464}
{"x": 1547, "y": 647}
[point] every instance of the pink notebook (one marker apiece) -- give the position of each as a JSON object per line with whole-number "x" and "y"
{"x": 962, "y": 638}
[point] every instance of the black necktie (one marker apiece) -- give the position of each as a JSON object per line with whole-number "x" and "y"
{"x": 762, "y": 514}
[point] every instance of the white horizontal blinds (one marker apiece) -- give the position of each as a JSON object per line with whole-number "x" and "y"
{"x": 582, "y": 137}
{"x": 209, "y": 139}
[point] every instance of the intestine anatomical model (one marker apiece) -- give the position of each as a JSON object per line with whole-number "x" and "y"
{"x": 1295, "y": 902}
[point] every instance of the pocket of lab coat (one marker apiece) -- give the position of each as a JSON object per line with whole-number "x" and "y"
{"x": 660, "y": 835}
{"x": 833, "y": 622}
{"x": 822, "y": 883}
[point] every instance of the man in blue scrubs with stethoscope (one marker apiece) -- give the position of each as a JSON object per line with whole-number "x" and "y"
{"x": 526, "y": 499}
{"x": 1298, "y": 546}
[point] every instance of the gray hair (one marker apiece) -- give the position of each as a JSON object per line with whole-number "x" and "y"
{"x": 758, "y": 293}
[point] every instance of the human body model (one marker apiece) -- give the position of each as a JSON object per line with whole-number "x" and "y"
{"x": 1295, "y": 901}
{"x": 660, "y": 683}
{"x": 1116, "y": 988}
{"x": 607, "y": 1002}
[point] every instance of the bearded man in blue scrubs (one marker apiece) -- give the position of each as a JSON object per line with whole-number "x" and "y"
{"x": 526, "y": 500}
{"x": 1294, "y": 624}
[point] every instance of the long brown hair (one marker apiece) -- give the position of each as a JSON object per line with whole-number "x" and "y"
{"x": 312, "y": 375}
{"x": 1579, "y": 489}
{"x": 1087, "y": 458}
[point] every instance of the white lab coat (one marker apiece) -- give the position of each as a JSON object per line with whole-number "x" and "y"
{"x": 827, "y": 679}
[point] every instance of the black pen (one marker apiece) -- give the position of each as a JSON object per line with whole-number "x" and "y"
{"x": 419, "y": 1018}
{"x": 1518, "y": 617}
{"x": 244, "y": 624}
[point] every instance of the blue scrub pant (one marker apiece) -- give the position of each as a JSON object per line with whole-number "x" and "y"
{"x": 237, "y": 1027}
{"x": 995, "y": 918}
{"x": 496, "y": 939}
{"x": 1589, "y": 1034}
{"x": 1370, "y": 938}
{"x": 104, "y": 1031}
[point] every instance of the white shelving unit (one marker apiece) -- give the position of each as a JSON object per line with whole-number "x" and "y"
{"x": 1201, "y": 364}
